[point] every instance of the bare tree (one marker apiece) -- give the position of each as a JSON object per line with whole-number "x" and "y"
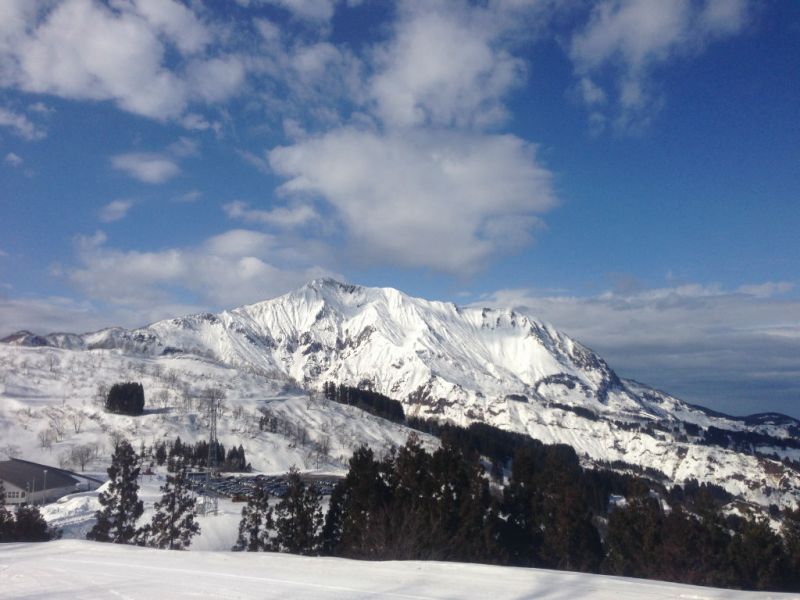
{"x": 171, "y": 378}
{"x": 77, "y": 418}
{"x": 52, "y": 361}
{"x": 116, "y": 437}
{"x": 101, "y": 394}
{"x": 324, "y": 445}
{"x": 163, "y": 398}
{"x": 56, "y": 419}
{"x": 80, "y": 455}
{"x": 186, "y": 398}
{"x": 11, "y": 450}
{"x": 46, "y": 437}
{"x": 98, "y": 450}
{"x": 65, "y": 459}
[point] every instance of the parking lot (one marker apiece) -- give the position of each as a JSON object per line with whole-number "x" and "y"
{"x": 242, "y": 487}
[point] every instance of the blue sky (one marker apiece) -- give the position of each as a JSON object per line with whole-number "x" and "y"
{"x": 628, "y": 171}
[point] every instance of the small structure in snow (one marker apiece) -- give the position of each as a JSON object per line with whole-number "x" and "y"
{"x": 27, "y": 482}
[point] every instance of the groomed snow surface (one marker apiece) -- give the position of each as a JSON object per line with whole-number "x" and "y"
{"x": 78, "y": 570}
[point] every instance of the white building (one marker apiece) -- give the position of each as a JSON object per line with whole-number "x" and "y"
{"x": 31, "y": 483}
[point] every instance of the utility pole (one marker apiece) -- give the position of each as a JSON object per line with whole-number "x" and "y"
{"x": 211, "y": 502}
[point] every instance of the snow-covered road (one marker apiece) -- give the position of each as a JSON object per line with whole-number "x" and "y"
{"x": 75, "y": 570}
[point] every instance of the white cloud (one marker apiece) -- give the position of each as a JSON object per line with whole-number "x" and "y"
{"x": 701, "y": 342}
{"x": 115, "y": 210}
{"x": 215, "y": 79}
{"x": 21, "y": 125}
{"x": 444, "y": 200}
{"x": 41, "y": 108}
{"x": 444, "y": 68}
{"x": 146, "y": 166}
{"x": 48, "y": 314}
{"x": 13, "y": 159}
{"x": 156, "y": 167}
{"x": 312, "y": 10}
{"x": 282, "y": 217}
{"x": 175, "y": 21}
{"x": 230, "y": 269}
{"x": 149, "y": 57}
{"x": 189, "y": 197}
{"x": 631, "y": 39}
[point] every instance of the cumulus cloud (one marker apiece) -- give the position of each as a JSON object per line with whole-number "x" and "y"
{"x": 444, "y": 200}
{"x": 155, "y": 167}
{"x": 21, "y": 125}
{"x": 13, "y": 159}
{"x": 230, "y": 269}
{"x": 631, "y": 39}
{"x": 311, "y": 10}
{"x": 281, "y": 216}
{"x": 115, "y": 210}
{"x": 444, "y": 68}
{"x": 703, "y": 343}
{"x": 123, "y": 52}
{"x": 147, "y": 167}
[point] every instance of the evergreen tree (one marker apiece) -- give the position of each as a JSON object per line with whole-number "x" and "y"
{"x": 634, "y": 536}
{"x": 366, "y": 506}
{"x": 30, "y": 525}
{"x": 256, "y": 523}
{"x": 126, "y": 398}
{"x": 757, "y": 557}
{"x": 464, "y": 516}
{"x": 569, "y": 538}
{"x": 331, "y": 540}
{"x": 121, "y": 507}
{"x": 174, "y": 524}
{"x": 298, "y": 518}
{"x": 6, "y": 518}
{"x": 161, "y": 454}
{"x": 790, "y": 530}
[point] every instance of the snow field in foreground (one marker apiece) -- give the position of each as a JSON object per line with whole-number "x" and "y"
{"x": 78, "y": 570}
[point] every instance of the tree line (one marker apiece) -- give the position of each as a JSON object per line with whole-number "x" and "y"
{"x": 197, "y": 455}
{"x": 367, "y": 400}
{"x": 550, "y": 512}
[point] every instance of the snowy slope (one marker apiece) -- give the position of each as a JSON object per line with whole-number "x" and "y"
{"x": 80, "y": 570}
{"x": 459, "y": 364}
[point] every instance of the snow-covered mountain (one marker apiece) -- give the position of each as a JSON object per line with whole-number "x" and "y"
{"x": 471, "y": 364}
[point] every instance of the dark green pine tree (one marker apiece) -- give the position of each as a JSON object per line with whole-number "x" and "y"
{"x": 298, "y": 518}
{"x": 790, "y": 530}
{"x": 366, "y": 506}
{"x": 634, "y": 535}
{"x": 121, "y": 507}
{"x": 6, "y": 518}
{"x": 255, "y": 525}
{"x": 758, "y": 558}
{"x": 331, "y": 540}
{"x": 570, "y": 540}
{"x": 30, "y": 525}
{"x": 175, "y": 522}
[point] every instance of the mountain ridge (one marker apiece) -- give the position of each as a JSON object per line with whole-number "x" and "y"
{"x": 468, "y": 364}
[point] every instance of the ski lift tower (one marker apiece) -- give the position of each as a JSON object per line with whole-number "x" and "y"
{"x": 210, "y": 500}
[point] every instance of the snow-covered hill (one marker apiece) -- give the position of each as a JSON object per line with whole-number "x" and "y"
{"x": 446, "y": 362}
{"x": 81, "y": 570}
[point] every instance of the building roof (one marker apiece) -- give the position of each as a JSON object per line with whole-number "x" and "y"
{"x": 29, "y": 475}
